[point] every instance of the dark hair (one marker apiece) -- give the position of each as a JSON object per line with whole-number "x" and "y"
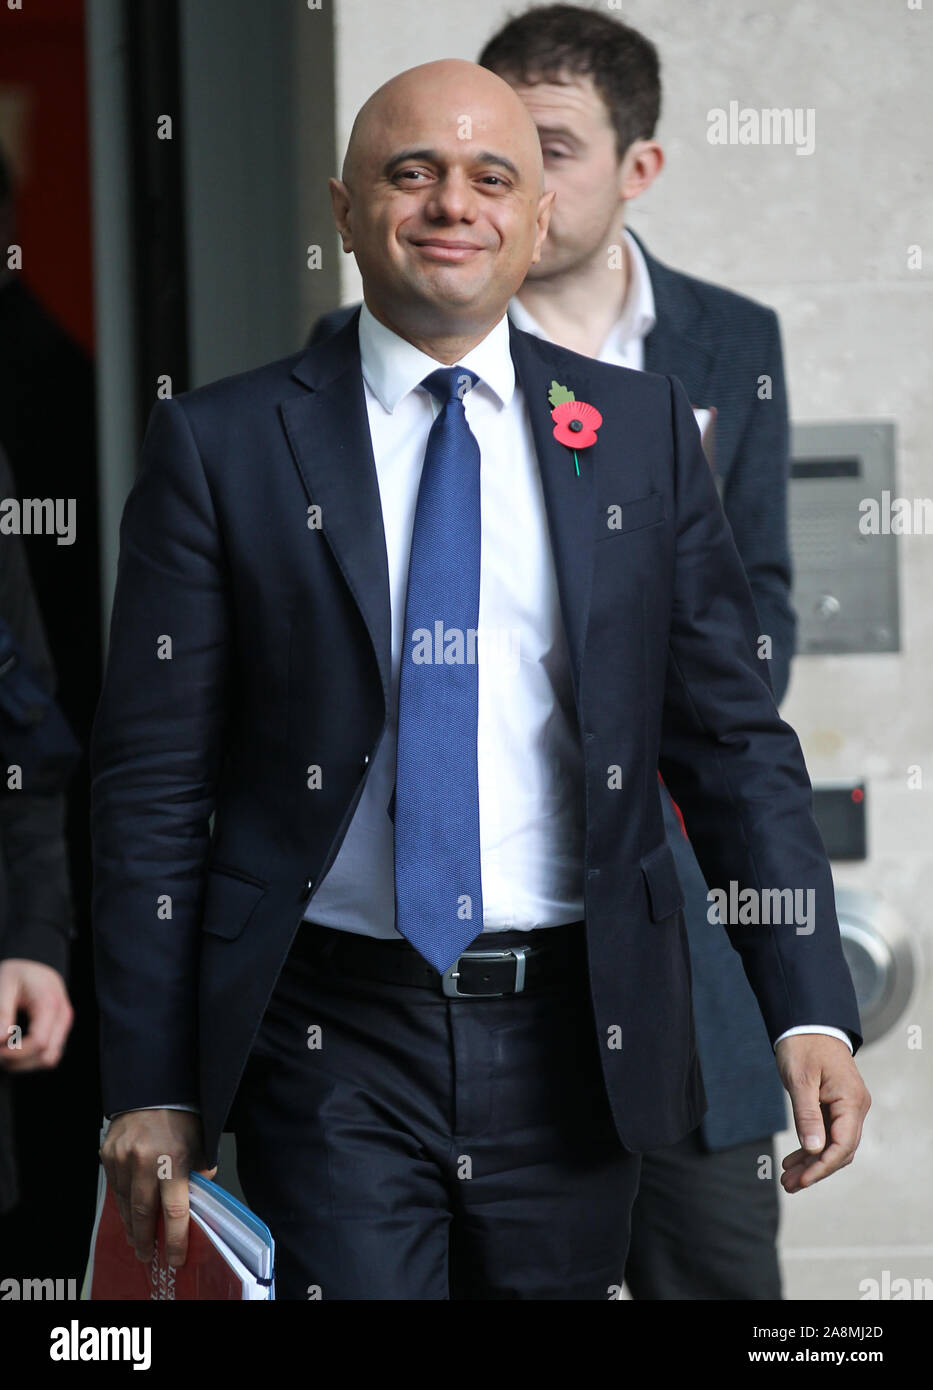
{"x": 551, "y": 41}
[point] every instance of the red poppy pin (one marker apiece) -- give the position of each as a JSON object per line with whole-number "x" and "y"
{"x": 575, "y": 422}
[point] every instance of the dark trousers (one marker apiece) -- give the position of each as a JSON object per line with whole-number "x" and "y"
{"x": 704, "y": 1225}
{"x": 404, "y": 1145}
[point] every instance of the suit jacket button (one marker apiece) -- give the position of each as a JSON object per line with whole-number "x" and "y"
{"x": 365, "y": 759}
{"x": 309, "y": 885}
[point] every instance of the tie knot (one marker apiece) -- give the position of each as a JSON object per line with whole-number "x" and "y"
{"x": 450, "y": 383}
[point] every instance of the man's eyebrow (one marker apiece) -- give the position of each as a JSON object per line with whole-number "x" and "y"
{"x": 429, "y": 156}
{"x": 434, "y": 157}
{"x": 490, "y": 157}
{"x": 548, "y": 132}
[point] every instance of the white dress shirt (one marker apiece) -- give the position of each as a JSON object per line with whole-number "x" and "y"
{"x": 529, "y": 759}
{"x": 625, "y": 342}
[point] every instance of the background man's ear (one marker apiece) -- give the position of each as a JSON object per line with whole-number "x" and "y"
{"x": 641, "y": 164}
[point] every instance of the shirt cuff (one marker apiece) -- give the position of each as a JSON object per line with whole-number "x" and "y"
{"x": 818, "y": 1028}
{"x": 194, "y": 1108}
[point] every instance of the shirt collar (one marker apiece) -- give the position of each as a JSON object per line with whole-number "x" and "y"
{"x": 392, "y": 367}
{"x": 638, "y": 315}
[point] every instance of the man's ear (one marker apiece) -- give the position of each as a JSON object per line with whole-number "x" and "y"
{"x": 545, "y": 204}
{"x": 340, "y": 198}
{"x": 641, "y": 164}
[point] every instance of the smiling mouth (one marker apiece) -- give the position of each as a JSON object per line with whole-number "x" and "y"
{"x": 447, "y": 250}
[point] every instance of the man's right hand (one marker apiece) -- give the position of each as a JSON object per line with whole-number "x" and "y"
{"x": 147, "y": 1155}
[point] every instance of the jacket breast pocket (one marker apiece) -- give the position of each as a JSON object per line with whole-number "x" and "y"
{"x": 665, "y": 895}
{"x": 620, "y": 518}
{"x": 229, "y": 902}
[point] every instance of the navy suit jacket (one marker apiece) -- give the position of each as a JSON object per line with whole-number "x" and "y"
{"x": 247, "y": 646}
{"x": 726, "y": 350}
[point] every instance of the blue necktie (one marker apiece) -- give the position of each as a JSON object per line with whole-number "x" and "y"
{"x": 438, "y": 887}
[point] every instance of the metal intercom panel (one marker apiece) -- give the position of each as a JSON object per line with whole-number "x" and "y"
{"x": 842, "y": 488}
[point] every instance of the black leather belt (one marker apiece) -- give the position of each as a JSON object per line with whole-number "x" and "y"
{"x": 511, "y": 963}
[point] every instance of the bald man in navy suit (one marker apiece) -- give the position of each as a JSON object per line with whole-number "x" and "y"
{"x": 429, "y": 962}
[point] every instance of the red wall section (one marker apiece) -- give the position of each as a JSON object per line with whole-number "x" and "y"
{"x": 44, "y": 134}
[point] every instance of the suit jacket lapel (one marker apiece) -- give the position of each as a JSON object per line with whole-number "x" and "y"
{"x": 676, "y": 346}
{"x": 328, "y": 431}
{"x": 570, "y": 500}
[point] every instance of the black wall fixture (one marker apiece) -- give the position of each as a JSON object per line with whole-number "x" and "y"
{"x": 160, "y": 285}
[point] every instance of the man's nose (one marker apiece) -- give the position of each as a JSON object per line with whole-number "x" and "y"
{"x": 452, "y": 198}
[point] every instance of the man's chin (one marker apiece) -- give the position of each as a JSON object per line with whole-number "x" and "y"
{"x": 447, "y": 291}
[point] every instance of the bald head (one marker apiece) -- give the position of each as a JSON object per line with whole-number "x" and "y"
{"x": 463, "y": 88}
{"x": 442, "y": 199}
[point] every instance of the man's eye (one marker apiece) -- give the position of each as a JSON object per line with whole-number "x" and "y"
{"x": 552, "y": 153}
{"x": 492, "y": 178}
{"x": 410, "y": 174}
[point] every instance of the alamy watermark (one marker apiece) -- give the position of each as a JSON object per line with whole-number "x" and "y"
{"x": 452, "y": 646}
{"x": 39, "y": 516}
{"x": 38, "y": 1290}
{"x": 753, "y": 907}
{"x": 895, "y": 516}
{"x": 793, "y": 126}
{"x": 89, "y": 1343}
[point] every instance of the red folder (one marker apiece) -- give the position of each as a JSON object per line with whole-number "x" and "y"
{"x": 211, "y": 1270}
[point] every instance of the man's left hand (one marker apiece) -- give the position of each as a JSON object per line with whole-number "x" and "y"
{"x": 830, "y": 1102}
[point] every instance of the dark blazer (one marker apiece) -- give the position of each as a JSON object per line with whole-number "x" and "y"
{"x": 280, "y": 658}
{"x": 36, "y": 909}
{"x": 719, "y": 344}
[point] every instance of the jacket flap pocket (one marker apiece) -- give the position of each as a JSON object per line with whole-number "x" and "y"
{"x": 664, "y": 891}
{"x": 630, "y": 516}
{"x": 229, "y": 903}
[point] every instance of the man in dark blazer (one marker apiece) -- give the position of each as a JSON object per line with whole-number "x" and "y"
{"x": 706, "y": 1218}
{"x": 452, "y": 1108}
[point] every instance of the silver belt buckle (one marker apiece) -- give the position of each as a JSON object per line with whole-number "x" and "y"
{"x": 451, "y": 974}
